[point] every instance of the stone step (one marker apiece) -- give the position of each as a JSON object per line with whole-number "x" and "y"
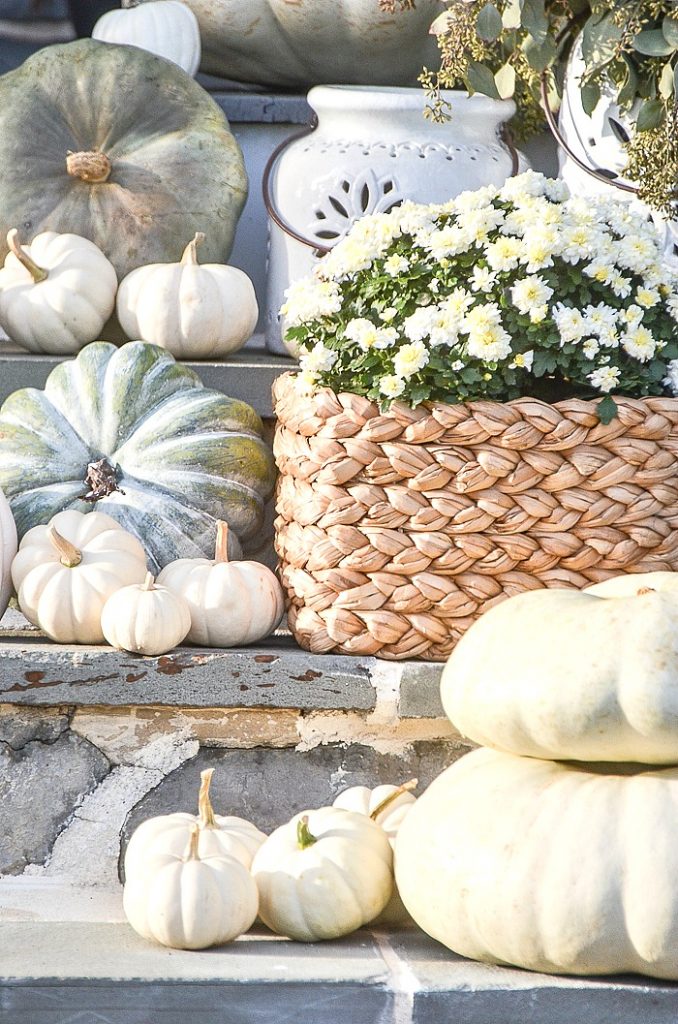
{"x": 69, "y": 958}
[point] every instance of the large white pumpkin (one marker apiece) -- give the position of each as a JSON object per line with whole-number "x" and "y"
{"x": 8, "y": 548}
{"x": 302, "y": 42}
{"x": 168, "y": 30}
{"x": 554, "y": 867}
{"x": 563, "y": 674}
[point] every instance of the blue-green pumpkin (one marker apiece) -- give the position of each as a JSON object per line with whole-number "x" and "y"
{"x": 130, "y": 432}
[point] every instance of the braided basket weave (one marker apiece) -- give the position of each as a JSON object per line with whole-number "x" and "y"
{"x": 395, "y": 531}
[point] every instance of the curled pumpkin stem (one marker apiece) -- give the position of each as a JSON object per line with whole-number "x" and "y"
{"x": 205, "y": 810}
{"x": 190, "y": 254}
{"x": 406, "y": 787}
{"x": 305, "y": 837}
{"x": 37, "y": 273}
{"x": 70, "y": 555}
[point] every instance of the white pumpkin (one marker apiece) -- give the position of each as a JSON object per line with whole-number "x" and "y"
{"x": 387, "y": 807}
{"x": 191, "y": 902}
{"x": 324, "y": 874}
{"x": 8, "y": 549}
{"x": 563, "y": 674}
{"x": 65, "y": 572}
{"x": 231, "y": 603}
{"x": 553, "y": 867}
{"x": 145, "y": 619}
{"x": 168, "y": 29}
{"x": 195, "y": 311}
{"x": 57, "y": 293}
{"x": 168, "y": 834}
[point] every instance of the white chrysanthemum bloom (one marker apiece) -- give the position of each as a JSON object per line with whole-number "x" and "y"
{"x": 538, "y": 314}
{"x": 671, "y": 378}
{"x": 540, "y": 246}
{"x": 482, "y": 279}
{"x": 409, "y": 359}
{"x": 672, "y": 305}
{"x": 504, "y": 253}
{"x": 489, "y": 343}
{"x": 600, "y": 319}
{"x": 319, "y": 360}
{"x": 605, "y": 378}
{"x": 309, "y": 299}
{"x": 448, "y": 241}
{"x": 600, "y": 270}
{"x": 459, "y": 364}
{"x": 395, "y": 264}
{"x": 445, "y": 326}
{"x": 647, "y": 297}
{"x": 631, "y": 315}
{"x": 481, "y": 318}
{"x": 368, "y": 335}
{"x": 523, "y": 360}
{"x": 591, "y": 348}
{"x": 305, "y": 382}
{"x": 530, "y": 292}
{"x": 391, "y": 386}
{"x": 413, "y": 218}
{"x": 388, "y": 315}
{"x": 637, "y": 253}
{"x": 419, "y": 324}
{"x": 578, "y": 242}
{"x": 639, "y": 342}
{"x": 570, "y": 323}
{"x": 530, "y": 183}
{"x": 556, "y": 190}
{"x": 620, "y": 285}
{"x": 477, "y": 224}
{"x": 474, "y": 200}
{"x": 458, "y": 302}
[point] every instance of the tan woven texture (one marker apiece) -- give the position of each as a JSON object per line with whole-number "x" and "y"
{"x": 396, "y": 531}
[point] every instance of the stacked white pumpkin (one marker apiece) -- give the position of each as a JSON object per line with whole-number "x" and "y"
{"x": 58, "y": 293}
{"x": 555, "y": 846}
{"x": 193, "y": 882}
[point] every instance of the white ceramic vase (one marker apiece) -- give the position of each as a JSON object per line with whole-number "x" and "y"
{"x": 372, "y": 149}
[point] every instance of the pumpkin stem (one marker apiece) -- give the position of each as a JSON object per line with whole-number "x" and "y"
{"x": 221, "y": 547}
{"x": 205, "y": 809}
{"x": 645, "y": 590}
{"x": 305, "y": 837}
{"x": 88, "y": 166}
{"x": 37, "y": 273}
{"x": 194, "y": 843}
{"x": 190, "y": 256}
{"x": 388, "y": 800}
{"x": 148, "y": 582}
{"x": 70, "y": 556}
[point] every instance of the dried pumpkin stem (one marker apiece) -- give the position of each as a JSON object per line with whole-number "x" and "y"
{"x": 194, "y": 843}
{"x": 406, "y": 787}
{"x": 148, "y": 582}
{"x": 89, "y": 165}
{"x": 645, "y": 590}
{"x": 190, "y": 256}
{"x": 221, "y": 546}
{"x": 37, "y": 273}
{"x": 205, "y": 809}
{"x": 305, "y": 837}
{"x": 70, "y": 556}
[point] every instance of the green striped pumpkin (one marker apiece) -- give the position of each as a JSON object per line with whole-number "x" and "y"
{"x": 177, "y": 456}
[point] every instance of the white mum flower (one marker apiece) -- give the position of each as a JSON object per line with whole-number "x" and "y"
{"x": 319, "y": 360}
{"x": 476, "y": 199}
{"x": 391, "y": 386}
{"x": 636, "y": 253}
{"x": 605, "y": 378}
{"x": 631, "y": 315}
{"x": 556, "y": 190}
{"x": 410, "y": 359}
{"x": 388, "y": 314}
{"x": 600, "y": 270}
{"x": 481, "y": 318}
{"x": 540, "y": 247}
{"x": 477, "y": 224}
{"x": 523, "y": 360}
{"x": 600, "y": 319}
{"x": 396, "y": 264}
{"x": 367, "y": 335}
{"x": 309, "y": 299}
{"x": 420, "y": 324}
{"x": 578, "y": 242}
{"x": 448, "y": 241}
{"x": 647, "y": 297}
{"x": 489, "y": 343}
{"x": 620, "y": 285}
{"x": 591, "y": 348}
{"x": 570, "y": 323}
{"x": 483, "y": 279}
{"x": 504, "y": 253}
{"x": 458, "y": 302}
{"x": 530, "y": 292}
{"x": 305, "y": 382}
{"x": 639, "y": 342}
{"x": 530, "y": 183}
{"x": 672, "y": 305}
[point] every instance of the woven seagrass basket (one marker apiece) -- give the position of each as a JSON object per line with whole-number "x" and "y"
{"x": 395, "y": 531}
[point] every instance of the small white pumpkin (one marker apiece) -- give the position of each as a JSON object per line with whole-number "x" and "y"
{"x": 145, "y": 619}
{"x": 8, "y": 549}
{"x": 194, "y": 311}
{"x": 186, "y": 901}
{"x": 387, "y": 807}
{"x": 168, "y": 29}
{"x": 65, "y": 572}
{"x": 169, "y": 833}
{"x": 57, "y": 293}
{"x": 231, "y": 603}
{"x": 323, "y": 875}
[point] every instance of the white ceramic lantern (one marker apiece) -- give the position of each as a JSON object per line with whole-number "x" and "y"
{"x": 372, "y": 149}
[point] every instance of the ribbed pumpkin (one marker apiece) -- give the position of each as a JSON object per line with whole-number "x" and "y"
{"x": 121, "y": 147}
{"x": 134, "y": 434}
